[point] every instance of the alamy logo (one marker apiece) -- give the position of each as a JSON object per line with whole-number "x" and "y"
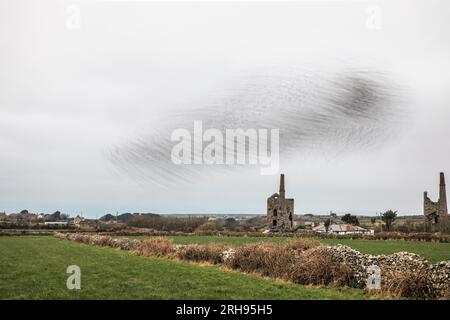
{"x": 73, "y": 20}
{"x": 74, "y": 280}
{"x": 235, "y": 147}
{"x": 373, "y": 21}
{"x": 374, "y": 279}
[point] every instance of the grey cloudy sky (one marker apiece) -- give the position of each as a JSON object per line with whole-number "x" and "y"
{"x": 70, "y": 96}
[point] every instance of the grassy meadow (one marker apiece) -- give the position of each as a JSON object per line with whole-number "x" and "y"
{"x": 34, "y": 267}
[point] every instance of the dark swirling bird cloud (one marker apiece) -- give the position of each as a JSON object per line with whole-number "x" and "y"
{"x": 346, "y": 110}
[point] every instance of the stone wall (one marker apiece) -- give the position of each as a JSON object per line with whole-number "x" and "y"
{"x": 390, "y": 265}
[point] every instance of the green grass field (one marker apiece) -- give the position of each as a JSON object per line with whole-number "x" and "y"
{"x": 34, "y": 267}
{"x": 433, "y": 251}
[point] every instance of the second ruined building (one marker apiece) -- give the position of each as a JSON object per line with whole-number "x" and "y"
{"x": 280, "y": 211}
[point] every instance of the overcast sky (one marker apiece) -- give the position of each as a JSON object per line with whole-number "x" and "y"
{"x": 69, "y": 95}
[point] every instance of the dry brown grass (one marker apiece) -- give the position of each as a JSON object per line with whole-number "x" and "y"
{"x": 60, "y": 235}
{"x": 303, "y": 244}
{"x": 317, "y": 267}
{"x": 104, "y": 241}
{"x": 445, "y": 295}
{"x": 156, "y": 247}
{"x": 81, "y": 238}
{"x": 125, "y": 243}
{"x": 266, "y": 259}
{"x": 211, "y": 252}
{"x": 412, "y": 285}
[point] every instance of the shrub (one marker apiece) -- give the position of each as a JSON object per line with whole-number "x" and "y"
{"x": 81, "y": 238}
{"x": 61, "y": 235}
{"x": 98, "y": 240}
{"x": 315, "y": 266}
{"x": 414, "y": 285}
{"x": 156, "y": 247}
{"x": 125, "y": 244}
{"x": 266, "y": 259}
{"x": 212, "y": 252}
{"x": 208, "y": 226}
{"x": 303, "y": 244}
{"x": 104, "y": 241}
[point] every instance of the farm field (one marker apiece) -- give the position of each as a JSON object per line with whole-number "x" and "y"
{"x": 34, "y": 267}
{"x": 433, "y": 251}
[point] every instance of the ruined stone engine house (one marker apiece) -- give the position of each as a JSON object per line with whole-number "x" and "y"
{"x": 436, "y": 213}
{"x": 280, "y": 211}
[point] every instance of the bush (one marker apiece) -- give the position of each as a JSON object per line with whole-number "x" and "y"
{"x": 156, "y": 247}
{"x": 317, "y": 267}
{"x": 82, "y": 238}
{"x": 303, "y": 244}
{"x": 266, "y": 259}
{"x": 212, "y": 253}
{"x": 61, "y": 235}
{"x": 414, "y": 285}
{"x": 103, "y": 241}
{"x": 445, "y": 295}
{"x": 208, "y": 226}
{"x": 125, "y": 244}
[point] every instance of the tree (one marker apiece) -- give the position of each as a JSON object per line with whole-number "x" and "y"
{"x": 388, "y": 218}
{"x": 55, "y": 216}
{"x": 230, "y": 222}
{"x": 327, "y": 224}
{"x": 373, "y": 220}
{"x": 107, "y": 217}
{"x": 208, "y": 226}
{"x": 348, "y": 218}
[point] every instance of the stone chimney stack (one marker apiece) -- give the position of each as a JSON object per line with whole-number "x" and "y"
{"x": 443, "y": 195}
{"x": 282, "y": 191}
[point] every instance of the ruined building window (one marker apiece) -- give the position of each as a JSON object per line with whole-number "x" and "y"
{"x": 274, "y": 223}
{"x": 290, "y": 216}
{"x": 275, "y": 213}
{"x": 433, "y": 218}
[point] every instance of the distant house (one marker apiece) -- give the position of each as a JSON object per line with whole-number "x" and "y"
{"x": 305, "y": 224}
{"x": 85, "y": 224}
{"x": 309, "y": 224}
{"x": 77, "y": 220}
{"x": 56, "y": 223}
{"x": 340, "y": 229}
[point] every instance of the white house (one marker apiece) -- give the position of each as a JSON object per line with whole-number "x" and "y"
{"x": 56, "y": 223}
{"x": 342, "y": 229}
